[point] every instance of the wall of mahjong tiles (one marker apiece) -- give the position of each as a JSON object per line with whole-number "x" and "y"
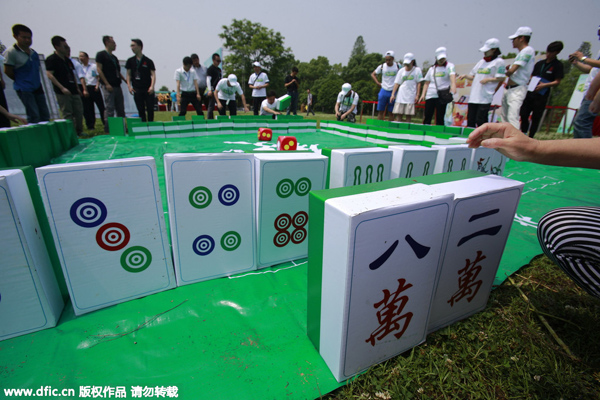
{"x": 237, "y": 337}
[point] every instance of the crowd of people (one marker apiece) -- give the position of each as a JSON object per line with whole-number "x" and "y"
{"x": 80, "y": 85}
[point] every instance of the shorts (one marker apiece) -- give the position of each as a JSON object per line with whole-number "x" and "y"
{"x": 383, "y": 100}
{"x": 405, "y": 109}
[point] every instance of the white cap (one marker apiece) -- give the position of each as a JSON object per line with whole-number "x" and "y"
{"x": 492, "y": 43}
{"x": 232, "y": 79}
{"x": 440, "y": 53}
{"x": 408, "y": 58}
{"x": 389, "y": 53}
{"x": 256, "y": 64}
{"x": 522, "y": 31}
{"x": 346, "y": 87}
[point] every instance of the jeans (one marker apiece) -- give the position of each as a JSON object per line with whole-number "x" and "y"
{"x": 144, "y": 103}
{"x": 232, "y": 105}
{"x": 534, "y": 104}
{"x": 187, "y": 98}
{"x": 584, "y": 121}
{"x": 477, "y": 114}
{"x": 35, "y": 105}
{"x": 256, "y": 102}
{"x": 115, "y": 103}
{"x": 436, "y": 105}
{"x": 293, "y": 103}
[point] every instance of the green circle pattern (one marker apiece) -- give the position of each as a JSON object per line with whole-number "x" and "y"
{"x": 303, "y": 186}
{"x": 231, "y": 240}
{"x": 285, "y": 188}
{"x": 200, "y": 197}
{"x": 136, "y": 259}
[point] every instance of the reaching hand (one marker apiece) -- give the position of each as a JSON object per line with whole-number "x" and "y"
{"x": 505, "y": 138}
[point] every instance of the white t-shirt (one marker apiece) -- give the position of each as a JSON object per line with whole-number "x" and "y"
{"x": 408, "y": 81}
{"x": 265, "y": 103}
{"x": 200, "y": 76}
{"x": 186, "y": 78}
{"x": 388, "y": 74}
{"x": 347, "y": 101}
{"x": 78, "y": 69}
{"x": 91, "y": 74}
{"x": 483, "y": 94}
{"x": 526, "y": 60}
{"x": 441, "y": 80}
{"x": 592, "y": 74}
{"x": 259, "y": 80}
{"x": 226, "y": 92}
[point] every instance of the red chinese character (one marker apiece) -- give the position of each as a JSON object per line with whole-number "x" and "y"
{"x": 389, "y": 316}
{"x": 466, "y": 280}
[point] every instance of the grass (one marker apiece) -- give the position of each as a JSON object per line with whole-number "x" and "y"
{"x": 505, "y": 351}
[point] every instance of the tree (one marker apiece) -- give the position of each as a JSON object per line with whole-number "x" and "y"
{"x": 562, "y": 93}
{"x": 359, "y": 50}
{"x": 247, "y": 42}
{"x": 509, "y": 56}
{"x": 163, "y": 89}
{"x": 586, "y": 49}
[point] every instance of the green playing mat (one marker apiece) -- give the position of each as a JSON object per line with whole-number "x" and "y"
{"x": 242, "y": 337}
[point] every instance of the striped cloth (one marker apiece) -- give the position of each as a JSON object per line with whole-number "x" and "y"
{"x": 570, "y": 237}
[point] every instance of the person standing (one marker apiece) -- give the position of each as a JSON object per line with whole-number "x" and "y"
{"x": 258, "y": 82}
{"x": 187, "y": 88}
{"x": 141, "y": 78}
{"x": 486, "y": 75}
{"x": 441, "y": 77}
{"x": 408, "y": 84}
{"x": 92, "y": 85}
{"x": 388, "y": 70}
{"x": 174, "y": 103}
{"x": 292, "y": 84}
{"x": 61, "y": 72}
{"x": 110, "y": 75}
{"x": 213, "y": 76}
{"x": 584, "y": 120}
{"x": 550, "y": 71}
{"x": 225, "y": 93}
{"x": 309, "y": 103}
{"x": 200, "y": 71}
{"x": 22, "y": 65}
{"x": 518, "y": 76}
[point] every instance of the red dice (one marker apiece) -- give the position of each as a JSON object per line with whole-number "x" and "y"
{"x": 286, "y": 143}
{"x": 265, "y": 134}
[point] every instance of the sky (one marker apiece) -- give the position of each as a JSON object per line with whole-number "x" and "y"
{"x": 311, "y": 28}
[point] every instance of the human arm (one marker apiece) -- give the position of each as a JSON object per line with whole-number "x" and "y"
{"x": 393, "y": 96}
{"x": 593, "y": 94}
{"x": 584, "y": 64}
{"x": 178, "y": 90}
{"x": 582, "y": 153}
{"x": 337, "y": 109}
{"x": 55, "y": 82}
{"x": 83, "y": 86}
{"x": 197, "y": 89}
{"x": 12, "y": 117}
{"x": 419, "y": 86}
{"x": 208, "y": 82}
{"x": 102, "y": 76}
{"x": 512, "y": 69}
{"x": 374, "y": 76}
{"x": 216, "y": 95}
{"x": 467, "y": 77}
{"x": 153, "y": 83}
{"x": 9, "y": 71}
{"x": 129, "y": 81}
{"x": 246, "y": 109}
{"x": 453, "y": 83}
{"x": 424, "y": 91}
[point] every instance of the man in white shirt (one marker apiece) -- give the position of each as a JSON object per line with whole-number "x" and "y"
{"x": 187, "y": 87}
{"x": 94, "y": 96}
{"x": 258, "y": 82}
{"x": 388, "y": 71}
{"x": 518, "y": 76}
{"x": 225, "y": 95}
{"x": 200, "y": 71}
{"x": 346, "y": 104}
{"x": 270, "y": 105}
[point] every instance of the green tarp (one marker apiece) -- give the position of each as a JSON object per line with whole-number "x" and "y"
{"x": 242, "y": 337}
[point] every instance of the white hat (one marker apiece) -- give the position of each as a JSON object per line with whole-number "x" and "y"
{"x": 346, "y": 87}
{"x": 389, "y": 53}
{"x": 440, "y": 53}
{"x": 256, "y": 64}
{"x": 522, "y": 31}
{"x": 232, "y": 79}
{"x": 492, "y": 43}
{"x": 408, "y": 58}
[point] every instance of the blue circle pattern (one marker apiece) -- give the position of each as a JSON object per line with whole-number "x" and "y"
{"x": 200, "y": 243}
{"x": 91, "y": 214}
{"x": 226, "y": 193}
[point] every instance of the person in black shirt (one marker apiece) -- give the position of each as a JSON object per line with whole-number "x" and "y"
{"x": 291, "y": 83}
{"x": 213, "y": 76}
{"x": 141, "y": 77}
{"x": 109, "y": 71}
{"x": 61, "y": 72}
{"x": 551, "y": 71}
